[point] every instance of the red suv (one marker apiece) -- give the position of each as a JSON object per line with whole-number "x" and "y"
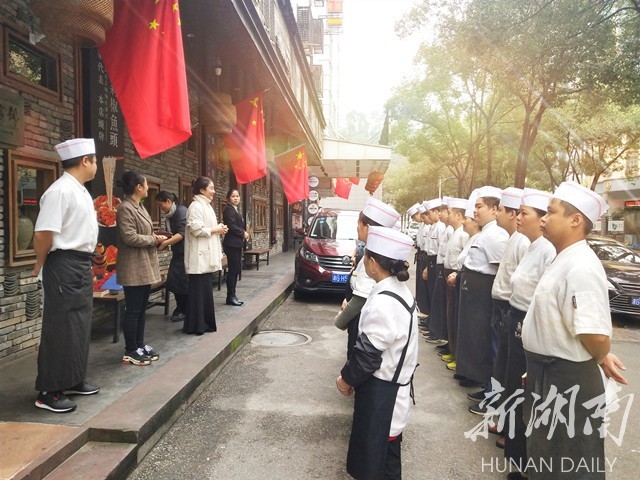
{"x": 323, "y": 261}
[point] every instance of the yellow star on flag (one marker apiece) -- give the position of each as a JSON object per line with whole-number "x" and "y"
{"x": 254, "y": 122}
{"x": 254, "y": 102}
{"x": 175, "y": 7}
{"x": 301, "y": 162}
{"x": 153, "y": 25}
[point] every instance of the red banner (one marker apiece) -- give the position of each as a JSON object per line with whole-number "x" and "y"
{"x": 144, "y": 59}
{"x": 343, "y": 187}
{"x": 292, "y": 167}
{"x": 245, "y": 144}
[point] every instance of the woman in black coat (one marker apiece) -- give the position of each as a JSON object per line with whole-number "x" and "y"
{"x": 177, "y": 279}
{"x": 233, "y": 243}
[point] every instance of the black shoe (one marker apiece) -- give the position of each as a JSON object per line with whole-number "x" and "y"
{"x": 55, "y": 401}
{"x": 151, "y": 353}
{"x": 444, "y": 346}
{"x": 442, "y": 352}
{"x": 137, "y": 357}
{"x": 467, "y": 382}
{"x": 83, "y": 388}
{"x": 478, "y": 410}
{"x": 234, "y": 301}
{"x": 476, "y": 396}
{"x": 178, "y": 317}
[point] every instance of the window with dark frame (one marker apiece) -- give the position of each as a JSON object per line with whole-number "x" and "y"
{"x": 260, "y": 215}
{"x": 185, "y": 195}
{"x": 279, "y": 216}
{"x": 29, "y": 177}
{"x": 150, "y": 202}
{"x": 31, "y": 68}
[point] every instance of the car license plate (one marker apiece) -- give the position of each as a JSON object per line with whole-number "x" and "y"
{"x": 339, "y": 277}
{"x": 635, "y": 301}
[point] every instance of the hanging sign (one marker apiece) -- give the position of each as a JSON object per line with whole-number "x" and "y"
{"x": 313, "y": 208}
{"x": 313, "y": 182}
{"x": 313, "y": 195}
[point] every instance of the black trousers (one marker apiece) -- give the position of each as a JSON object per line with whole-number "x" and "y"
{"x": 234, "y": 262}
{"x": 135, "y": 300}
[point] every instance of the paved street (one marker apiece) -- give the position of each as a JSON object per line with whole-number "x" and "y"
{"x": 274, "y": 413}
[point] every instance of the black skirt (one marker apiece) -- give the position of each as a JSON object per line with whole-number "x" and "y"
{"x": 201, "y": 316}
{"x": 438, "y": 318}
{"x": 373, "y": 408}
{"x": 63, "y": 354}
{"x": 473, "y": 349}
{"x": 553, "y": 455}
{"x": 177, "y": 278}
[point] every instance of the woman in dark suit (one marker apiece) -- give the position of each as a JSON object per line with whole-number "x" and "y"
{"x": 233, "y": 243}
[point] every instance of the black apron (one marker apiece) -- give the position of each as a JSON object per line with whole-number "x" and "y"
{"x": 515, "y": 445}
{"x": 438, "y": 318}
{"x": 473, "y": 349}
{"x": 431, "y": 278}
{"x": 450, "y": 294}
{"x": 63, "y": 354}
{"x": 373, "y": 408}
{"x": 500, "y": 344}
{"x": 561, "y": 451}
{"x": 422, "y": 299}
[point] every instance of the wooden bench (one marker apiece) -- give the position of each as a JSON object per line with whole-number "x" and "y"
{"x": 256, "y": 253}
{"x": 117, "y": 300}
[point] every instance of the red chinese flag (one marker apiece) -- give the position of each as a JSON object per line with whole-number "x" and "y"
{"x": 355, "y": 181}
{"x": 292, "y": 167}
{"x": 343, "y": 188}
{"x": 245, "y": 144}
{"x": 144, "y": 59}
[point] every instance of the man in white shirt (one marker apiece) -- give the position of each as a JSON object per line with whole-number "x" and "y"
{"x": 65, "y": 238}
{"x": 566, "y": 335}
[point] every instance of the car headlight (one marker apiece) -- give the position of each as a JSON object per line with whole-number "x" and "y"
{"x": 307, "y": 255}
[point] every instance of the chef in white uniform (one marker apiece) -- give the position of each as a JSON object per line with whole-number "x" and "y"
{"x": 385, "y": 357}
{"x": 566, "y": 335}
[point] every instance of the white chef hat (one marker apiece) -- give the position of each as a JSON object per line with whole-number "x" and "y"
{"x": 76, "y": 147}
{"x": 380, "y": 212}
{"x": 434, "y": 203}
{"x": 471, "y": 204}
{"x": 422, "y": 208}
{"x": 536, "y": 199}
{"x": 389, "y": 243}
{"x": 511, "y": 197}
{"x": 587, "y": 201}
{"x": 489, "y": 191}
{"x": 457, "y": 203}
{"x": 413, "y": 209}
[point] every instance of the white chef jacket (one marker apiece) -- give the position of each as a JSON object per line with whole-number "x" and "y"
{"x": 361, "y": 283}
{"x": 527, "y": 274}
{"x": 432, "y": 242}
{"x": 570, "y": 299}
{"x": 514, "y": 250}
{"x": 385, "y": 322}
{"x": 66, "y": 209}
{"x": 420, "y": 236}
{"x": 455, "y": 245}
{"x": 442, "y": 244}
{"x": 486, "y": 252}
{"x": 465, "y": 250}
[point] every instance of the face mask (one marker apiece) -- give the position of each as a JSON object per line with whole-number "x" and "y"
{"x": 171, "y": 211}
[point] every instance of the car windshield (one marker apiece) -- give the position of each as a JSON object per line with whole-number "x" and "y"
{"x": 613, "y": 252}
{"x": 336, "y": 225}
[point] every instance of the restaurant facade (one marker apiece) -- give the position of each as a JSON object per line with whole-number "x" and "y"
{"x": 54, "y": 86}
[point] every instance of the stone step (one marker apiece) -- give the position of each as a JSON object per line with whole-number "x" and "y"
{"x": 97, "y": 461}
{"x": 32, "y": 450}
